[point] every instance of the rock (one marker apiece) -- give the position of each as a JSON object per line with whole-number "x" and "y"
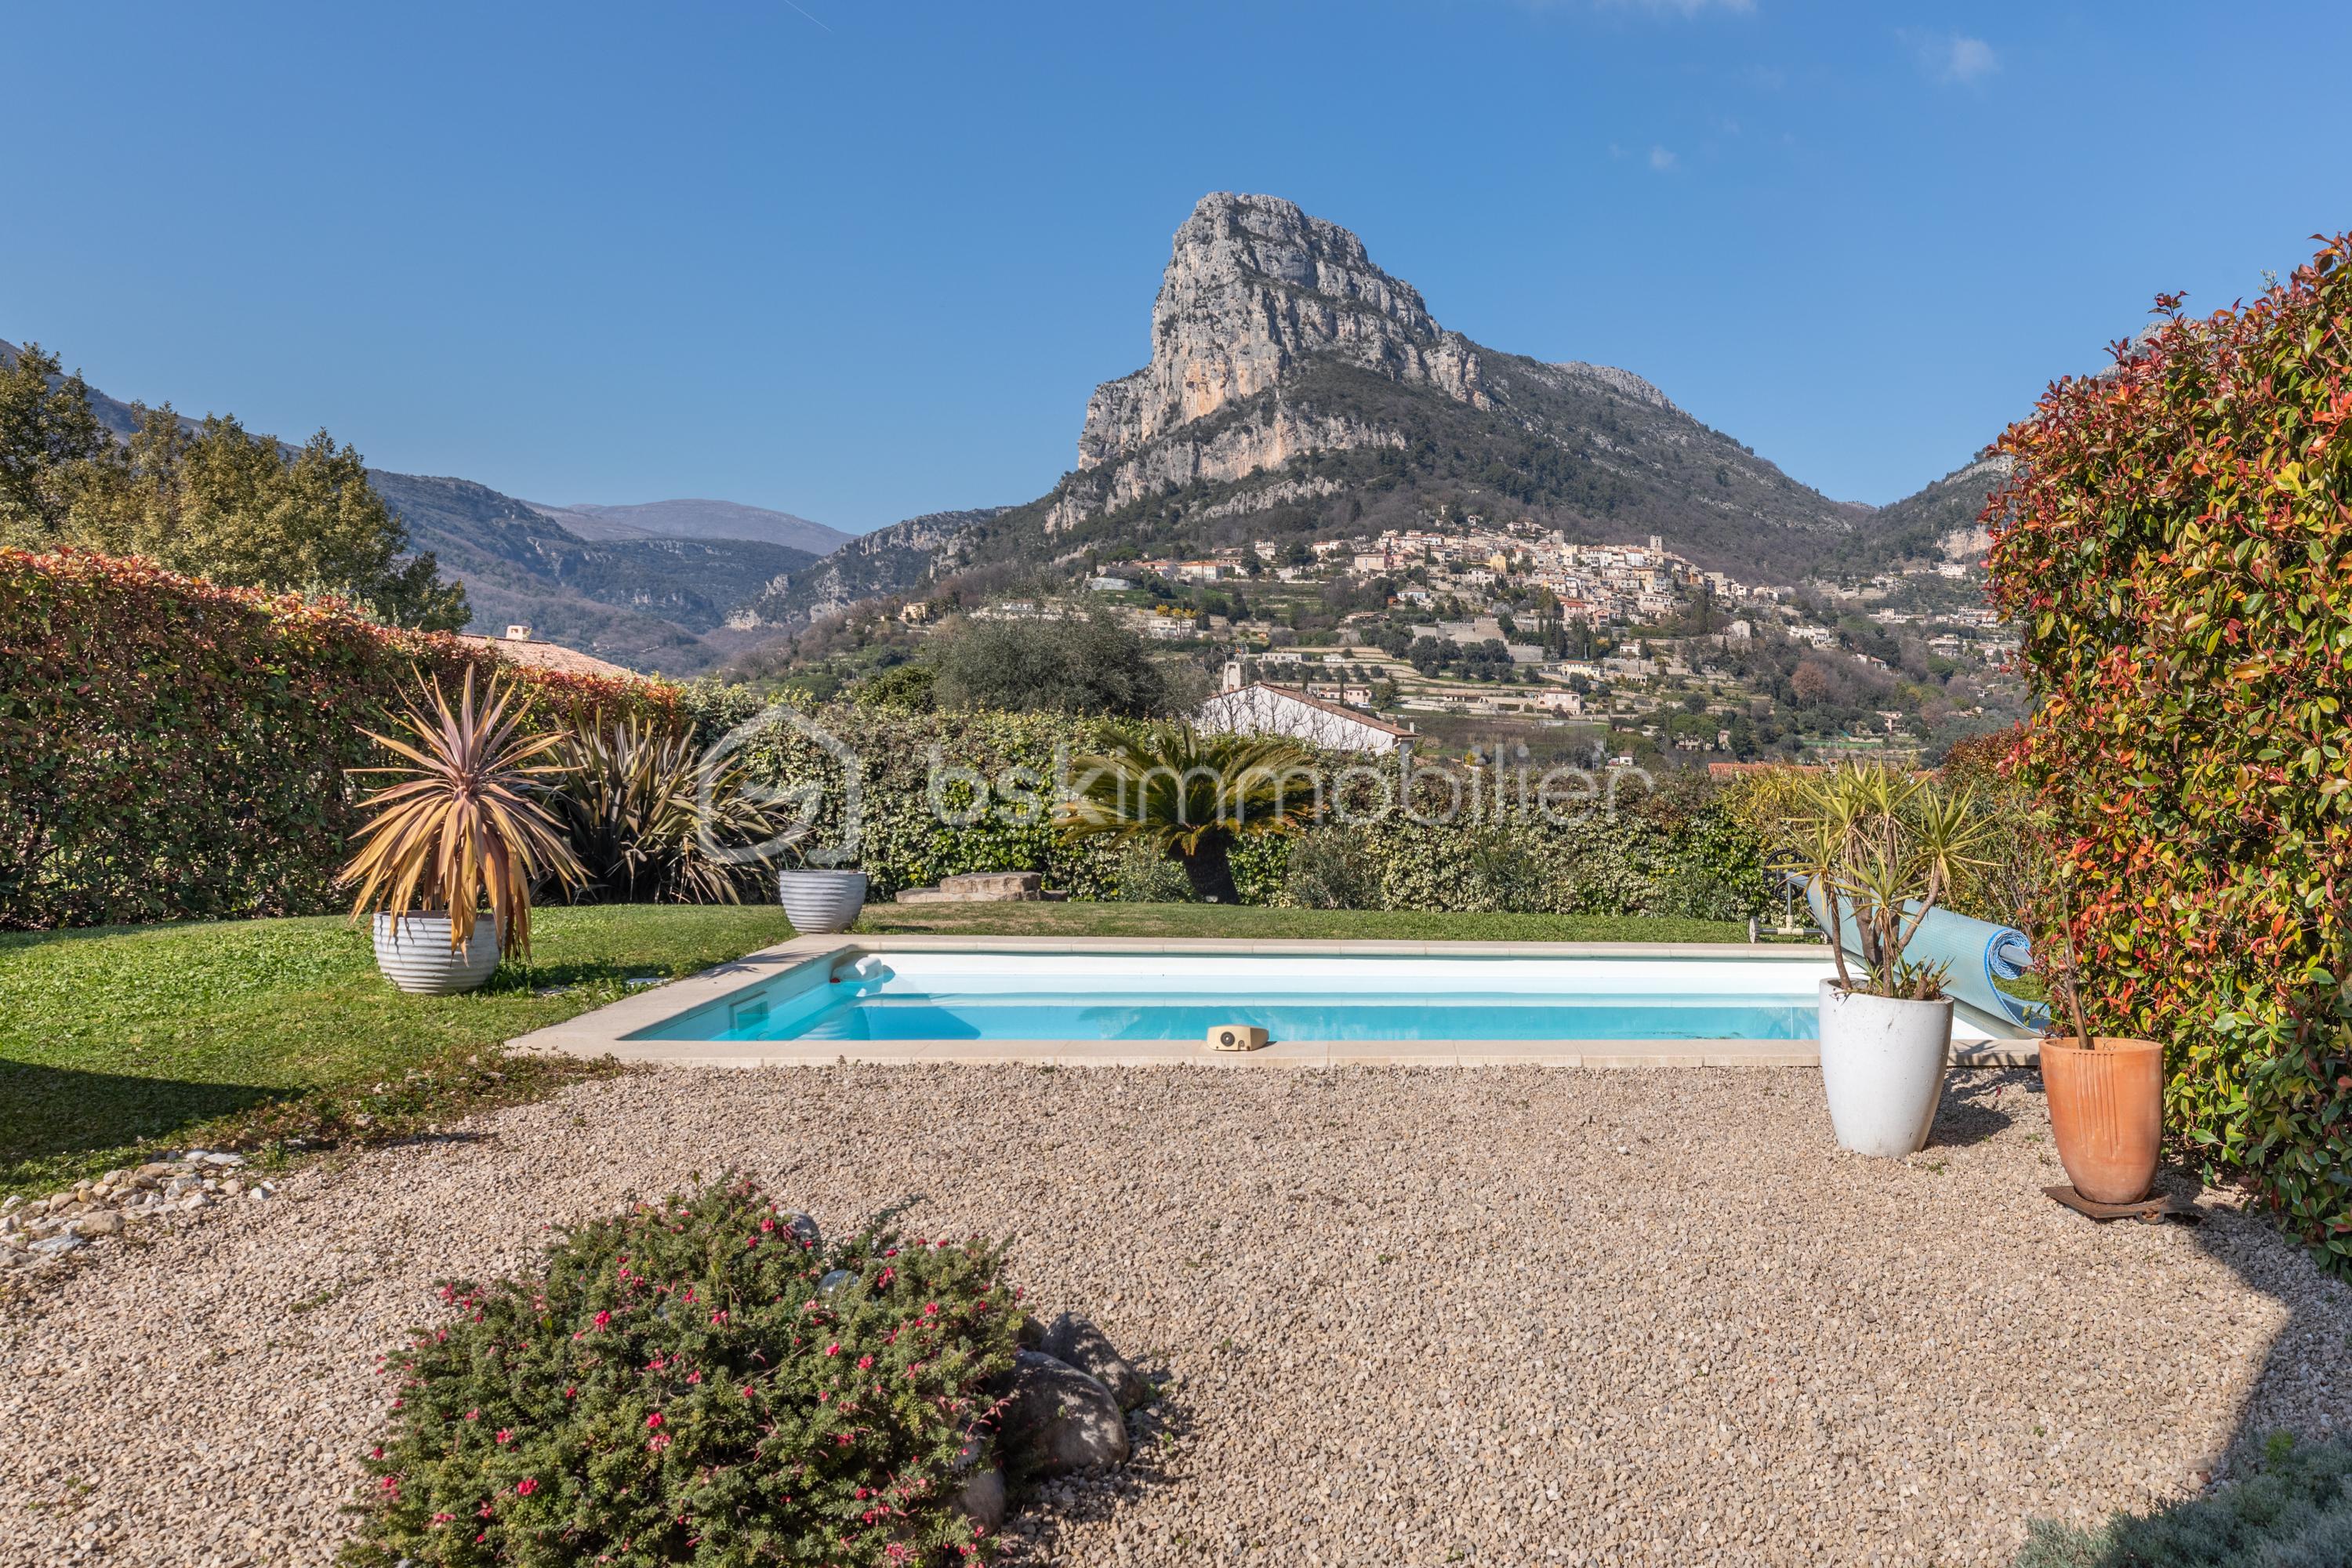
{"x": 1078, "y": 1342}
{"x": 1059, "y": 1419}
{"x": 1031, "y": 1334}
{"x": 803, "y": 1229}
{"x": 104, "y": 1223}
{"x": 58, "y": 1245}
{"x": 983, "y": 1499}
{"x": 838, "y": 1280}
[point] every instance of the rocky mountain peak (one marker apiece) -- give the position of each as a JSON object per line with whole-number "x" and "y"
{"x": 1252, "y": 286}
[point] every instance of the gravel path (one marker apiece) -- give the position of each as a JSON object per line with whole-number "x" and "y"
{"x": 1482, "y": 1316}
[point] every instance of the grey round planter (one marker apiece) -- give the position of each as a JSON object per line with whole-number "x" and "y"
{"x": 416, "y": 956}
{"x": 821, "y": 902}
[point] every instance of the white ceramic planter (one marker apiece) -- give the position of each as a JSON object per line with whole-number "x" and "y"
{"x": 1882, "y": 1063}
{"x": 416, "y": 957}
{"x": 818, "y": 902}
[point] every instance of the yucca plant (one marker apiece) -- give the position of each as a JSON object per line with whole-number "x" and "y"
{"x": 1882, "y": 848}
{"x": 464, "y": 822}
{"x": 1191, "y": 797}
{"x": 650, "y": 822}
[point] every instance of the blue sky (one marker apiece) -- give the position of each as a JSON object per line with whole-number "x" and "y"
{"x": 859, "y": 261}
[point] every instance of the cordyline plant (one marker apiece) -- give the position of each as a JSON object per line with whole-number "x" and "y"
{"x": 1191, "y": 796}
{"x": 465, "y": 824}
{"x": 1881, "y": 849}
{"x": 699, "y": 1380}
{"x": 651, "y": 820}
{"x": 2175, "y": 544}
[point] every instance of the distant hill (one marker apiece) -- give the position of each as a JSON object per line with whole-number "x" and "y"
{"x": 638, "y": 587}
{"x": 1295, "y": 389}
{"x": 698, "y": 520}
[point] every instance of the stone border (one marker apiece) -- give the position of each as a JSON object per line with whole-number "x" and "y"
{"x": 605, "y": 1031}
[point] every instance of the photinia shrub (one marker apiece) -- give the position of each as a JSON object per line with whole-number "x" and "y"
{"x": 173, "y": 750}
{"x": 699, "y": 1380}
{"x": 2175, "y": 543}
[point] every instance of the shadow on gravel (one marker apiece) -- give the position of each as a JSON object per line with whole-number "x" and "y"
{"x": 2305, "y": 1387}
{"x": 1977, "y": 1105}
{"x": 1043, "y": 1511}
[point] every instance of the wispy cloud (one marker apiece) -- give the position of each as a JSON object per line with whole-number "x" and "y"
{"x": 1656, "y": 8}
{"x": 1663, "y": 161}
{"x": 1680, "y": 8}
{"x": 1951, "y": 57}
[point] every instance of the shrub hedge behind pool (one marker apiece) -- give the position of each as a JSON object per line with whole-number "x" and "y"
{"x": 700, "y": 1381}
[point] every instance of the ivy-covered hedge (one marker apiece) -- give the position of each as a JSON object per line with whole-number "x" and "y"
{"x": 2175, "y": 543}
{"x": 173, "y": 750}
{"x": 1675, "y": 850}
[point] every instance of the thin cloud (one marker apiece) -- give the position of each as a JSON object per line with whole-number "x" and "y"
{"x": 1952, "y": 57}
{"x": 1662, "y": 161}
{"x": 1656, "y": 8}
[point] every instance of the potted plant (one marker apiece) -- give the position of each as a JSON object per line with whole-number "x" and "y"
{"x": 2105, "y": 1092}
{"x": 1877, "y": 849}
{"x": 462, "y": 826}
{"x": 820, "y": 899}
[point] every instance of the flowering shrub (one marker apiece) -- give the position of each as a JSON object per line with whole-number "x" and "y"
{"x": 695, "y": 1382}
{"x": 2176, "y": 543}
{"x": 172, "y": 749}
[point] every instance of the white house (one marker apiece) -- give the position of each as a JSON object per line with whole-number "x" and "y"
{"x": 1258, "y": 709}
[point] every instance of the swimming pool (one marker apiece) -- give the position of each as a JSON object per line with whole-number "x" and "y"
{"x": 860, "y": 996}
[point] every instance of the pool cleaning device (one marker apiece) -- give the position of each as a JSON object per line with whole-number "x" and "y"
{"x": 1236, "y": 1037}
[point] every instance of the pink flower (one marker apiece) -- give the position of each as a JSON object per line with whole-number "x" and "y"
{"x": 864, "y": 1362}
{"x": 526, "y": 1486}
{"x": 655, "y": 1419}
{"x": 660, "y": 1441}
{"x": 834, "y": 1348}
{"x": 506, "y": 1435}
{"x": 603, "y": 1319}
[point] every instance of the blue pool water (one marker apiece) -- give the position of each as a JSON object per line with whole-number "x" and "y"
{"x": 933, "y": 996}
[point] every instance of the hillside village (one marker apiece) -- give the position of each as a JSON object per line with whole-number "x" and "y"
{"x": 1635, "y": 649}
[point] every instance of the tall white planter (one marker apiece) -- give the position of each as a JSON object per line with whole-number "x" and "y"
{"x": 818, "y": 902}
{"x": 1882, "y": 1063}
{"x": 416, "y": 957}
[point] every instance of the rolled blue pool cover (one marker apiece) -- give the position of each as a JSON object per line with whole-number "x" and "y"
{"x": 1974, "y": 954}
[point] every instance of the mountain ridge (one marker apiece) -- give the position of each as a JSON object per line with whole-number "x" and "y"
{"x": 1296, "y": 388}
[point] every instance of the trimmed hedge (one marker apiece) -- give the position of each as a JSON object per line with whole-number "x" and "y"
{"x": 2176, "y": 543}
{"x": 1678, "y": 849}
{"x": 173, "y": 750}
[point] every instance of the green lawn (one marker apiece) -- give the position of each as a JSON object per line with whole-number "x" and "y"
{"x": 1273, "y": 924}
{"x": 117, "y": 1045}
{"x": 114, "y": 1043}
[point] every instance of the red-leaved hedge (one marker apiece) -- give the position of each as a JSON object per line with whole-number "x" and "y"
{"x": 171, "y": 749}
{"x": 2175, "y": 543}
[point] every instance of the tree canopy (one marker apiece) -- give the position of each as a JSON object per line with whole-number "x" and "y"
{"x": 209, "y": 499}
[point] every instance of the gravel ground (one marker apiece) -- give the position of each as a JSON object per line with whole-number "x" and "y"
{"x": 1410, "y": 1316}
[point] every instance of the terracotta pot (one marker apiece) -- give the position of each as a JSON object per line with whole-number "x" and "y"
{"x": 2106, "y": 1112}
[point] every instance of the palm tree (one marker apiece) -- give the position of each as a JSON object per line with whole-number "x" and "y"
{"x": 1192, "y": 796}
